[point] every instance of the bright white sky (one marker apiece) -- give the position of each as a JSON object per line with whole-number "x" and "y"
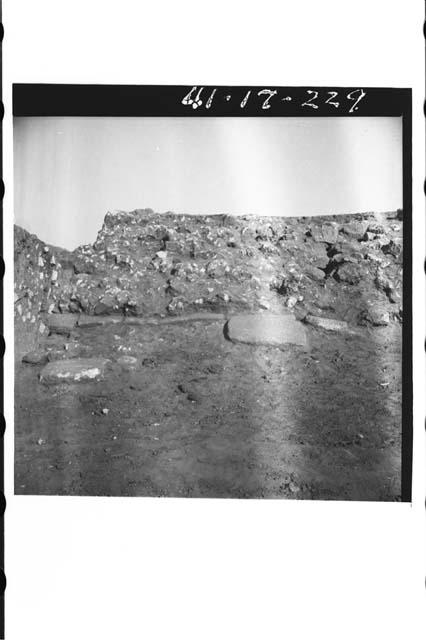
{"x": 70, "y": 171}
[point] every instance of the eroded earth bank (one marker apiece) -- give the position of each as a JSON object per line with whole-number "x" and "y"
{"x": 211, "y": 357}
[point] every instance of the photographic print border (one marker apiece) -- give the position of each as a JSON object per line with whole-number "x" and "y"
{"x": 249, "y": 101}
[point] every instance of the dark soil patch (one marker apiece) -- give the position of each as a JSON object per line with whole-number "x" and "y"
{"x": 203, "y": 417}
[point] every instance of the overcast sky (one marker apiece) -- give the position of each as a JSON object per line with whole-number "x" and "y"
{"x": 70, "y": 171}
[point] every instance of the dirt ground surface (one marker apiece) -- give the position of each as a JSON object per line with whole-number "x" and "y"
{"x": 201, "y": 416}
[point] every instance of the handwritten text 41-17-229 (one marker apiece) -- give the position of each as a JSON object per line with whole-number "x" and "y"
{"x": 265, "y": 98}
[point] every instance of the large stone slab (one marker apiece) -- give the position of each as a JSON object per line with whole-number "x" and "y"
{"x": 75, "y": 370}
{"x": 266, "y": 329}
{"x": 62, "y": 323}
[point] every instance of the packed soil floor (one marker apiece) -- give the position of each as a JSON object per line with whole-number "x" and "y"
{"x": 201, "y": 416}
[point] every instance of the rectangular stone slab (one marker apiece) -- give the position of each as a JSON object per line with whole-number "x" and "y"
{"x": 86, "y": 321}
{"x": 329, "y": 324}
{"x": 73, "y": 370}
{"x": 62, "y": 323}
{"x": 266, "y": 329}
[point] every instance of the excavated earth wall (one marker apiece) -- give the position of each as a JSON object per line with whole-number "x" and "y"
{"x": 212, "y": 356}
{"x": 143, "y": 264}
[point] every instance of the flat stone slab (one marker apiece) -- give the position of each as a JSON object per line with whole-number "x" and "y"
{"x": 74, "y": 370}
{"x": 329, "y": 324}
{"x": 85, "y": 321}
{"x": 62, "y": 323}
{"x": 35, "y": 357}
{"x": 266, "y": 329}
{"x": 191, "y": 317}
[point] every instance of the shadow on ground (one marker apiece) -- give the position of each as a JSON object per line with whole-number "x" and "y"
{"x": 203, "y": 417}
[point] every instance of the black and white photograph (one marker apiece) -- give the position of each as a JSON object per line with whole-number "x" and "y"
{"x": 213, "y": 243}
{"x": 209, "y": 307}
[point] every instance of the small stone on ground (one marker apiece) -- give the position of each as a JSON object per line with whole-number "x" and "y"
{"x": 377, "y": 316}
{"x": 128, "y": 362}
{"x": 35, "y": 357}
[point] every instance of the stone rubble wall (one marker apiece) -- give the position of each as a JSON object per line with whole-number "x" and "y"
{"x": 347, "y": 267}
{"x": 39, "y": 277}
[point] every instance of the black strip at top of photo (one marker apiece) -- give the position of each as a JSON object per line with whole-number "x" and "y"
{"x": 206, "y": 101}
{"x": 250, "y": 101}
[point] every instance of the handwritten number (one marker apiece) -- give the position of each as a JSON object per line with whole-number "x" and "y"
{"x": 188, "y": 98}
{"x": 244, "y": 101}
{"x": 309, "y": 103}
{"x": 196, "y": 102}
{"x": 333, "y": 94}
{"x": 352, "y": 95}
{"x": 210, "y": 100}
{"x": 270, "y": 94}
{"x": 193, "y": 98}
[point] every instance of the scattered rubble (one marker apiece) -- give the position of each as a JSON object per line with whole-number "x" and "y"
{"x": 183, "y": 411}
{"x": 146, "y": 265}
